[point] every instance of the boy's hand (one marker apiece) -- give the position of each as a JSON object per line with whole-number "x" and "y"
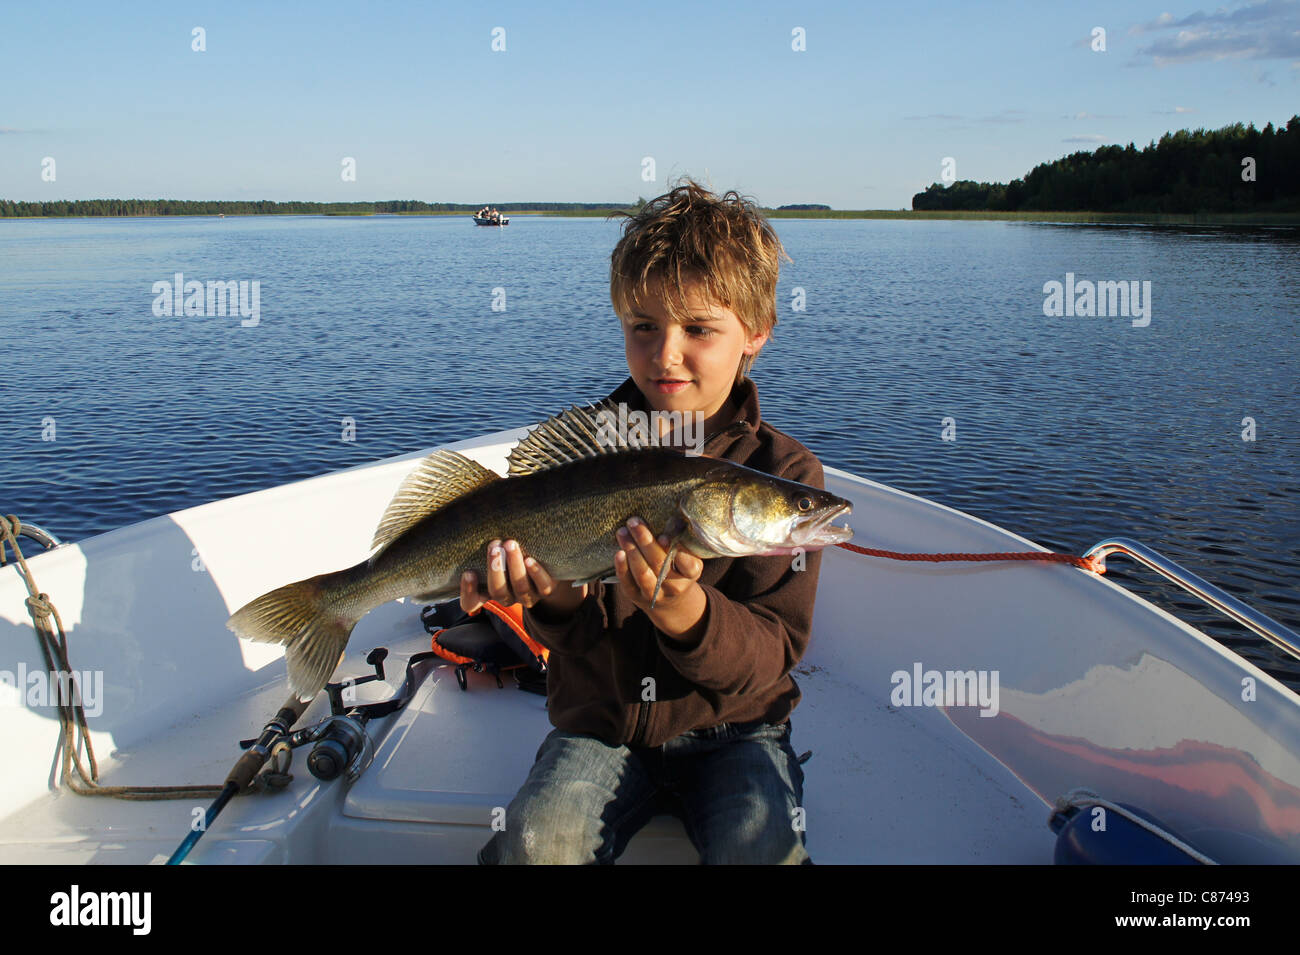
{"x": 513, "y": 577}
{"x": 681, "y": 603}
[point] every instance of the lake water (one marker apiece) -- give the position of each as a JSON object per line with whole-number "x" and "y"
{"x": 1065, "y": 429}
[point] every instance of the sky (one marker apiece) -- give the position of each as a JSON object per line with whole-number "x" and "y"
{"x": 854, "y": 104}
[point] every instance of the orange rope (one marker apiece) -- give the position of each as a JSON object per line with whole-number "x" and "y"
{"x": 1092, "y": 564}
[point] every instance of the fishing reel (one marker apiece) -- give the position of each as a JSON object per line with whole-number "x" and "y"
{"x": 342, "y": 745}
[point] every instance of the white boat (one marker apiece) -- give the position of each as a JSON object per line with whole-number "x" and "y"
{"x": 1096, "y": 690}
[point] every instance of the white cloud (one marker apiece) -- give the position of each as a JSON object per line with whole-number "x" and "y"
{"x": 1265, "y": 30}
{"x": 1003, "y": 116}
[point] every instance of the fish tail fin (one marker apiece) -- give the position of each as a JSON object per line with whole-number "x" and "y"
{"x": 306, "y": 618}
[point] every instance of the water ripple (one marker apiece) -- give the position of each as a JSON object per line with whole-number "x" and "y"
{"x": 1065, "y": 430}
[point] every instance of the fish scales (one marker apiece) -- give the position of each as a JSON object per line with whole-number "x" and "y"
{"x": 565, "y": 518}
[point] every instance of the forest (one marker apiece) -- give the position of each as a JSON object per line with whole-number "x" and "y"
{"x": 1234, "y": 169}
{"x": 189, "y": 207}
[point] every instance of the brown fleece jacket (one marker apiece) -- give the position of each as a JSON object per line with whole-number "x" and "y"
{"x": 758, "y": 620}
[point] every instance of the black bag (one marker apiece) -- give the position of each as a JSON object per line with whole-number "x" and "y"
{"x": 486, "y": 643}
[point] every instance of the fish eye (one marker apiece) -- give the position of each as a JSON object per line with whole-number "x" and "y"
{"x": 805, "y": 504}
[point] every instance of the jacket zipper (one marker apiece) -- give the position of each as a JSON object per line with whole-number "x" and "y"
{"x": 643, "y": 717}
{"x": 643, "y": 712}
{"x": 735, "y": 429}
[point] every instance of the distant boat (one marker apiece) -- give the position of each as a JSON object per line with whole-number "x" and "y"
{"x": 485, "y": 220}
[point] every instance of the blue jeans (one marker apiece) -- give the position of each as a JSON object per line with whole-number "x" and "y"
{"x": 738, "y": 787}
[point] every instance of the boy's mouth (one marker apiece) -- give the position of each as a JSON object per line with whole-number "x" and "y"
{"x": 670, "y": 386}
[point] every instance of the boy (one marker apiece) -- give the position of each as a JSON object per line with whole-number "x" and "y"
{"x": 694, "y": 282}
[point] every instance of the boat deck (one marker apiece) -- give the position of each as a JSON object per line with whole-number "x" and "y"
{"x": 1096, "y": 688}
{"x": 883, "y": 785}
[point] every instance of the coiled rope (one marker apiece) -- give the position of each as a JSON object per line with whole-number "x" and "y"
{"x": 74, "y": 733}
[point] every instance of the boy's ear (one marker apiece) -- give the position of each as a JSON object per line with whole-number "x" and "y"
{"x": 754, "y": 344}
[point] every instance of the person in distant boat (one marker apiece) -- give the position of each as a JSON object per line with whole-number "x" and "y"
{"x": 683, "y": 707}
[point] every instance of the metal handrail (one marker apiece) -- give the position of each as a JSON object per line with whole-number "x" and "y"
{"x": 1282, "y": 637}
{"x": 43, "y": 537}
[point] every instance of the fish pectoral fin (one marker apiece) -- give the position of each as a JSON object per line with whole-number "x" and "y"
{"x": 673, "y": 547}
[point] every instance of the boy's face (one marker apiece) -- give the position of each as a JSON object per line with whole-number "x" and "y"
{"x": 690, "y": 366}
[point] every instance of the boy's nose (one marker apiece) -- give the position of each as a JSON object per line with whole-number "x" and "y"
{"x": 669, "y": 352}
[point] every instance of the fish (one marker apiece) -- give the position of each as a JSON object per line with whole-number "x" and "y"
{"x": 570, "y": 485}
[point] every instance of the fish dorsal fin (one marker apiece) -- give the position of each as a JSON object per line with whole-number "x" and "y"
{"x": 440, "y": 478}
{"x": 574, "y": 434}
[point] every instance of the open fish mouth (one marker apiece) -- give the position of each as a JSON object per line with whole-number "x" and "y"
{"x": 819, "y": 532}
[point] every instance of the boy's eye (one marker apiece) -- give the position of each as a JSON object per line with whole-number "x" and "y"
{"x": 700, "y": 331}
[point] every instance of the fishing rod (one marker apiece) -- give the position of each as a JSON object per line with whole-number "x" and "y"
{"x": 342, "y": 744}
{"x": 247, "y": 767}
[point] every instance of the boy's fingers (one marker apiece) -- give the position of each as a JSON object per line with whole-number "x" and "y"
{"x": 640, "y": 541}
{"x": 689, "y": 565}
{"x": 541, "y": 579}
{"x": 469, "y": 596}
{"x": 639, "y": 569}
{"x": 654, "y": 551}
{"x": 643, "y": 557}
{"x": 497, "y": 588}
{"x": 643, "y": 538}
{"x": 518, "y": 573}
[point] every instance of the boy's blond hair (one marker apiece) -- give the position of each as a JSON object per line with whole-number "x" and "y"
{"x": 690, "y": 235}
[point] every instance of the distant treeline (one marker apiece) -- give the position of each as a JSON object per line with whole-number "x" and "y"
{"x": 186, "y": 207}
{"x": 803, "y": 206}
{"x": 1234, "y": 169}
